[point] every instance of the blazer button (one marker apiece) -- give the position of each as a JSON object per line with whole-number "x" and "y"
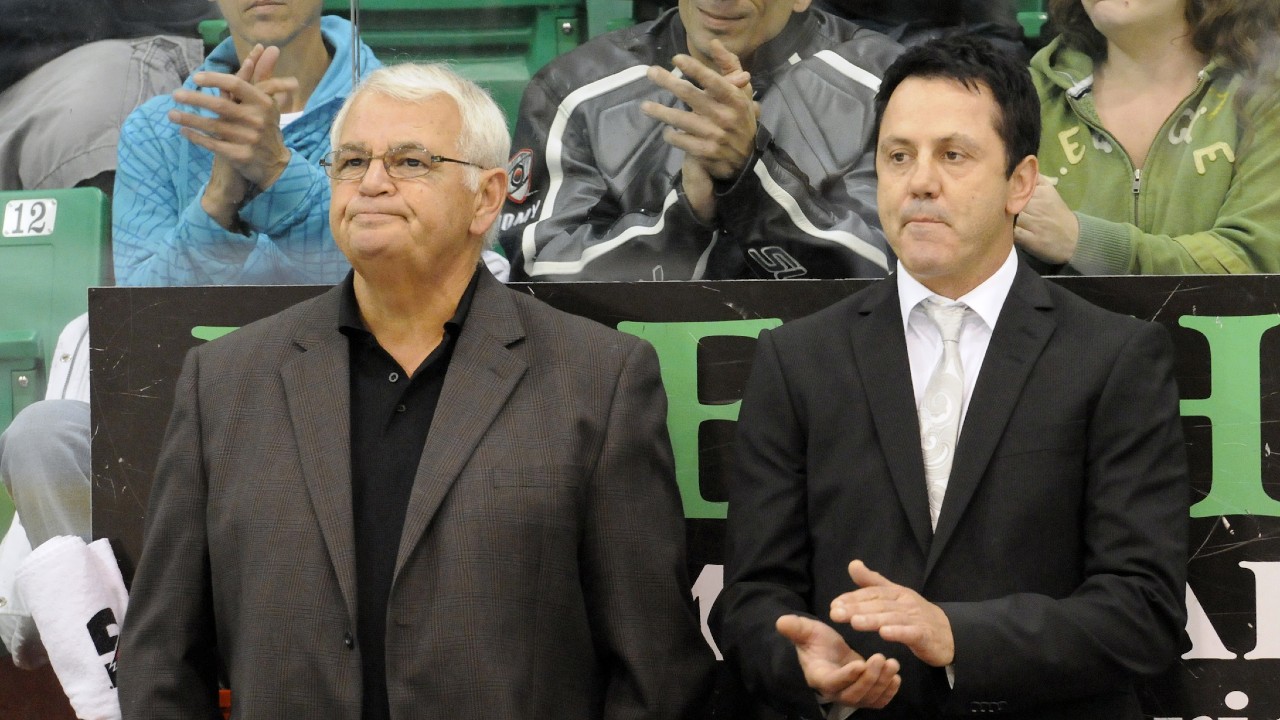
{"x": 349, "y": 641}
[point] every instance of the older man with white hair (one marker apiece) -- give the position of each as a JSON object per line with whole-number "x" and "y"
{"x": 419, "y": 494}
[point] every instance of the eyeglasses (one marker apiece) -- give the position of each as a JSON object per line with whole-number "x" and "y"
{"x": 402, "y": 163}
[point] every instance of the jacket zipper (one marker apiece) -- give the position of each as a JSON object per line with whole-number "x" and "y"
{"x": 1137, "y": 190}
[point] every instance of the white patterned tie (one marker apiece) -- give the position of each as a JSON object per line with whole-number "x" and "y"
{"x": 942, "y": 403}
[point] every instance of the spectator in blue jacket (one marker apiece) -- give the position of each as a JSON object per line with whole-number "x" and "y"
{"x": 219, "y": 182}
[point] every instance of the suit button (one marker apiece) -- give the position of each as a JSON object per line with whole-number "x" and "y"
{"x": 349, "y": 641}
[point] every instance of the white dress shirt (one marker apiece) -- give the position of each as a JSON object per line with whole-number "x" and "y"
{"x": 924, "y": 340}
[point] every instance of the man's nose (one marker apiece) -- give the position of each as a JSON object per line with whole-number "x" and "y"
{"x": 375, "y": 180}
{"x": 924, "y": 180}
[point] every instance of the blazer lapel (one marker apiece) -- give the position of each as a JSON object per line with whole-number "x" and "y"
{"x": 1021, "y": 333}
{"x": 880, "y": 349}
{"x": 317, "y": 384}
{"x": 481, "y": 377}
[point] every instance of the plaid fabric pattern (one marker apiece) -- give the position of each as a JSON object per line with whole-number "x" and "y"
{"x": 161, "y": 235}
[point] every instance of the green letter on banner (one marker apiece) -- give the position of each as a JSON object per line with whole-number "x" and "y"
{"x": 677, "y": 346}
{"x": 1234, "y": 410}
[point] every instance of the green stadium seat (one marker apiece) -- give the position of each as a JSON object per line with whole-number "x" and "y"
{"x": 54, "y": 245}
{"x": 1032, "y": 17}
{"x": 499, "y": 44}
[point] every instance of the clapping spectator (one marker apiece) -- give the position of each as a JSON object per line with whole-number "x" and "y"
{"x": 1159, "y": 153}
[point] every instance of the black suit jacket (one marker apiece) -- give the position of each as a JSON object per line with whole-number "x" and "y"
{"x": 540, "y": 574}
{"x": 1059, "y": 556}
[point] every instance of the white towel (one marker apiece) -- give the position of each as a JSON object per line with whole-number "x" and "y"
{"x": 78, "y": 599}
{"x": 17, "y": 629}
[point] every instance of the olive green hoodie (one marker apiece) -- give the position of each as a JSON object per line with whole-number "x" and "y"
{"x": 1207, "y": 199}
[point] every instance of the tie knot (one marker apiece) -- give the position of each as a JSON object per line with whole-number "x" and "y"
{"x": 948, "y": 318}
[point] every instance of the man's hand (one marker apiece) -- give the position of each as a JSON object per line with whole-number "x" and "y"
{"x": 718, "y": 131}
{"x": 244, "y": 135}
{"x": 1046, "y": 227}
{"x": 834, "y": 671}
{"x": 899, "y": 614}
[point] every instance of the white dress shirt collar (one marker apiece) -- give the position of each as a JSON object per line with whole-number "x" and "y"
{"x": 986, "y": 300}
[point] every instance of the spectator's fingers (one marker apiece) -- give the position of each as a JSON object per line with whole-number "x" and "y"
{"x": 681, "y": 120}
{"x": 699, "y": 100}
{"x": 724, "y": 59}
{"x": 217, "y": 105}
{"x": 698, "y": 147}
{"x": 247, "y": 68}
{"x": 281, "y": 90}
{"x": 678, "y": 86}
{"x": 233, "y": 152}
{"x": 199, "y": 123}
{"x": 230, "y": 133}
{"x": 221, "y": 81}
{"x": 716, "y": 89}
{"x": 250, "y": 63}
{"x": 265, "y": 68}
{"x": 233, "y": 122}
{"x": 740, "y": 79}
{"x": 241, "y": 91}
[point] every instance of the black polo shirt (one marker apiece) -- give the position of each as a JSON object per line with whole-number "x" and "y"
{"x": 391, "y": 413}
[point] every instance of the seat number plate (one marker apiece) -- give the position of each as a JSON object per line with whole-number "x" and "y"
{"x": 29, "y": 217}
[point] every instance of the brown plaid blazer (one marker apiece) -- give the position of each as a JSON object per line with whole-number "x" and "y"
{"x": 541, "y": 572}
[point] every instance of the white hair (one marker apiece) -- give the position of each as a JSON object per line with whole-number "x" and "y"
{"x": 483, "y": 140}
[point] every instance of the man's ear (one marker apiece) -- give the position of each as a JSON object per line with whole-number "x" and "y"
{"x": 490, "y": 195}
{"x": 800, "y": 5}
{"x": 1022, "y": 184}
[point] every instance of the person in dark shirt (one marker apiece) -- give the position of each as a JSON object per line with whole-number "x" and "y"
{"x": 419, "y": 494}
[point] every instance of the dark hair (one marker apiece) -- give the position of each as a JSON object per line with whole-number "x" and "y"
{"x": 974, "y": 62}
{"x": 1240, "y": 34}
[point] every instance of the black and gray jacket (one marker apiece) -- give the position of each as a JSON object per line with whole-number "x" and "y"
{"x": 595, "y": 192}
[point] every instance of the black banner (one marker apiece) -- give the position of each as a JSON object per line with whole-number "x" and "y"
{"x": 705, "y": 335}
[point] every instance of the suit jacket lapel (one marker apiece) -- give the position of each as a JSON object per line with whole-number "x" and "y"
{"x": 317, "y": 384}
{"x": 482, "y": 374}
{"x": 1021, "y": 333}
{"x": 880, "y": 349}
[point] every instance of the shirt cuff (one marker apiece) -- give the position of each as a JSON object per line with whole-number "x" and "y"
{"x": 834, "y": 711}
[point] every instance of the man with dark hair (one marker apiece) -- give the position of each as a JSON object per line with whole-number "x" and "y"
{"x": 1016, "y": 117}
{"x": 725, "y": 139}
{"x": 992, "y": 518}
